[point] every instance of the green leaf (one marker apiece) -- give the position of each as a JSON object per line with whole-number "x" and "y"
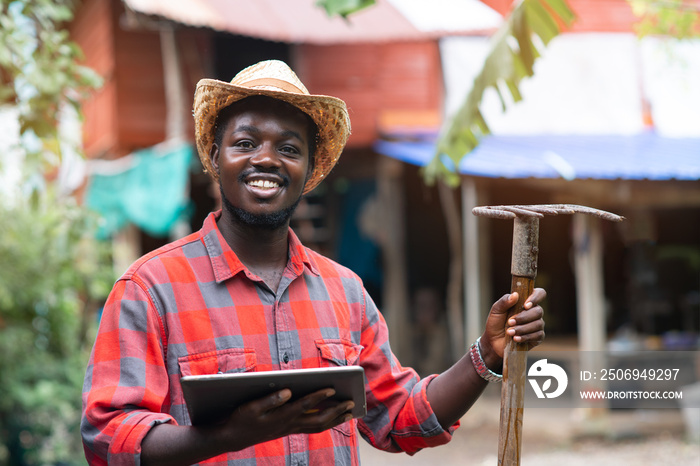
{"x": 503, "y": 68}
{"x": 40, "y": 71}
{"x": 542, "y": 22}
{"x": 562, "y": 11}
{"x": 674, "y": 18}
{"x": 343, "y": 7}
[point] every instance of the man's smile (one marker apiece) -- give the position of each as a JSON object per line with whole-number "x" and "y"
{"x": 264, "y": 184}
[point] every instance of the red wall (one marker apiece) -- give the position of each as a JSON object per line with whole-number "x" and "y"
{"x": 128, "y": 112}
{"x": 93, "y": 31}
{"x": 383, "y": 84}
{"x": 592, "y": 15}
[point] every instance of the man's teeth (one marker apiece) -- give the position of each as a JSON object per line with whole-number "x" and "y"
{"x": 263, "y": 184}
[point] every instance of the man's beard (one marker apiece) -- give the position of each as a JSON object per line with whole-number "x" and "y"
{"x": 268, "y": 221}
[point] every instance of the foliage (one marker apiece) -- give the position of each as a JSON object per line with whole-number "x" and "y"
{"x": 343, "y": 7}
{"x": 513, "y": 51}
{"x": 674, "y": 18}
{"x": 40, "y": 72}
{"x": 53, "y": 270}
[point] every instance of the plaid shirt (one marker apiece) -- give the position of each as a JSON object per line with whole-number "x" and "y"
{"x": 191, "y": 307}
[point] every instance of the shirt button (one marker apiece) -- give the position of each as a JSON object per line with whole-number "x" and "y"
{"x": 285, "y": 358}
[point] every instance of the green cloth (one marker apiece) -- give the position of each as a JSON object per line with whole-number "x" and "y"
{"x": 151, "y": 193}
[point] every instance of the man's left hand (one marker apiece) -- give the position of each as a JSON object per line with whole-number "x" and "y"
{"x": 524, "y": 327}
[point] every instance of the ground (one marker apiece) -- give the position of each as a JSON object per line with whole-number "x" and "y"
{"x": 560, "y": 436}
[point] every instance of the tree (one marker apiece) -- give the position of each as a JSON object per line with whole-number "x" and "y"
{"x": 53, "y": 270}
{"x": 40, "y": 73}
{"x": 54, "y": 273}
{"x": 673, "y": 18}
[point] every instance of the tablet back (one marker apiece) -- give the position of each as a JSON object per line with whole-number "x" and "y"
{"x": 211, "y": 398}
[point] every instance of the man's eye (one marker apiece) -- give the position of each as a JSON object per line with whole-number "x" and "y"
{"x": 244, "y": 144}
{"x": 289, "y": 150}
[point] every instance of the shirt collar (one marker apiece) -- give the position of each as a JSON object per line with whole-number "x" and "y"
{"x": 226, "y": 263}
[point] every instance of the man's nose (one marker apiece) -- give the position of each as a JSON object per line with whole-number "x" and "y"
{"x": 266, "y": 156}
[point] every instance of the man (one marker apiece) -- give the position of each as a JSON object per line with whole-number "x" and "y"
{"x": 243, "y": 294}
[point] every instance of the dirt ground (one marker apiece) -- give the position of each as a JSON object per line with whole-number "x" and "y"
{"x": 560, "y": 436}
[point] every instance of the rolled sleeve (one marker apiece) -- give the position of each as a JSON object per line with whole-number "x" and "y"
{"x": 417, "y": 427}
{"x": 399, "y": 416}
{"x": 126, "y": 382}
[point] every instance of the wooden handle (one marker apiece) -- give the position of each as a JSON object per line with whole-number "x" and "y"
{"x": 513, "y": 389}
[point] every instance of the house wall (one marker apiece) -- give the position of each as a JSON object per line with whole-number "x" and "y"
{"x": 384, "y": 85}
{"x": 139, "y": 76}
{"x": 93, "y": 30}
{"x": 129, "y": 111}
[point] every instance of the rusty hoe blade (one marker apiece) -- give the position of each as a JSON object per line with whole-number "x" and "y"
{"x": 511, "y": 211}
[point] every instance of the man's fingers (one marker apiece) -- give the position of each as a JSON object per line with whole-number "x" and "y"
{"x": 534, "y": 338}
{"x": 528, "y": 315}
{"x": 525, "y": 329}
{"x": 528, "y": 326}
{"x": 325, "y": 416}
{"x": 311, "y": 402}
{"x": 504, "y": 303}
{"x": 270, "y": 402}
{"x": 537, "y": 296}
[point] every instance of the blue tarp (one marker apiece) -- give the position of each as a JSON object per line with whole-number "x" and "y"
{"x": 635, "y": 157}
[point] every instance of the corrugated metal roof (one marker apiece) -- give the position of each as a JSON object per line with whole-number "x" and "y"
{"x": 642, "y": 156}
{"x": 301, "y": 21}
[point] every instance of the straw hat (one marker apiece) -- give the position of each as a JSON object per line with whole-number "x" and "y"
{"x": 274, "y": 79}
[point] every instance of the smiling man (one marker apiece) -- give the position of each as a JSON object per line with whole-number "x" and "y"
{"x": 263, "y": 144}
{"x": 243, "y": 294}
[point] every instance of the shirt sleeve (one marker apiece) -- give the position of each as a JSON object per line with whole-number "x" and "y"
{"x": 126, "y": 382}
{"x": 399, "y": 416}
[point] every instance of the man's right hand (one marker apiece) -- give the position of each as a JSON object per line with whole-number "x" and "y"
{"x": 265, "y": 419}
{"x": 275, "y": 416}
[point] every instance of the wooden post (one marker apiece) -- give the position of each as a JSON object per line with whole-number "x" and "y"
{"x": 590, "y": 304}
{"x": 590, "y": 300}
{"x": 172, "y": 80}
{"x": 523, "y": 272}
{"x": 472, "y": 270}
{"x": 455, "y": 308}
{"x": 395, "y": 292}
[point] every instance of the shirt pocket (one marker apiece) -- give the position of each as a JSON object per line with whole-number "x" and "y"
{"x": 338, "y": 352}
{"x": 222, "y": 361}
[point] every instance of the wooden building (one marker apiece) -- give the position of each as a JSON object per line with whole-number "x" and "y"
{"x": 375, "y": 212}
{"x": 390, "y": 77}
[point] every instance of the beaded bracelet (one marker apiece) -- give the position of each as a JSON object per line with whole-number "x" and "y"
{"x": 480, "y": 365}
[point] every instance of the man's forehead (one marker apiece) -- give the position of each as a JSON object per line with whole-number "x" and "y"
{"x": 273, "y": 109}
{"x": 264, "y": 104}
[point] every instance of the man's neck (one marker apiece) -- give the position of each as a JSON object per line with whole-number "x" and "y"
{"x": 263, "y": 250}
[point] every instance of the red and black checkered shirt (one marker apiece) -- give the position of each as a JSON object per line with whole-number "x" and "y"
{"x": 192, "y": 307}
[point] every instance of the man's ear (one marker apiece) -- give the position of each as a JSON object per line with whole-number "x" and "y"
{"x": 214, "y": 156}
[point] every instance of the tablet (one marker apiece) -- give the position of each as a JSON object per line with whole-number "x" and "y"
{"x": 211, "y": 398}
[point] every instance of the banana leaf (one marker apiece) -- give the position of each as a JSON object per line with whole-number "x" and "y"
{"x": 513, "y": 50}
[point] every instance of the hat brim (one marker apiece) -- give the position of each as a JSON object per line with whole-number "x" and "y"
{"x": 329, "y": 113}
